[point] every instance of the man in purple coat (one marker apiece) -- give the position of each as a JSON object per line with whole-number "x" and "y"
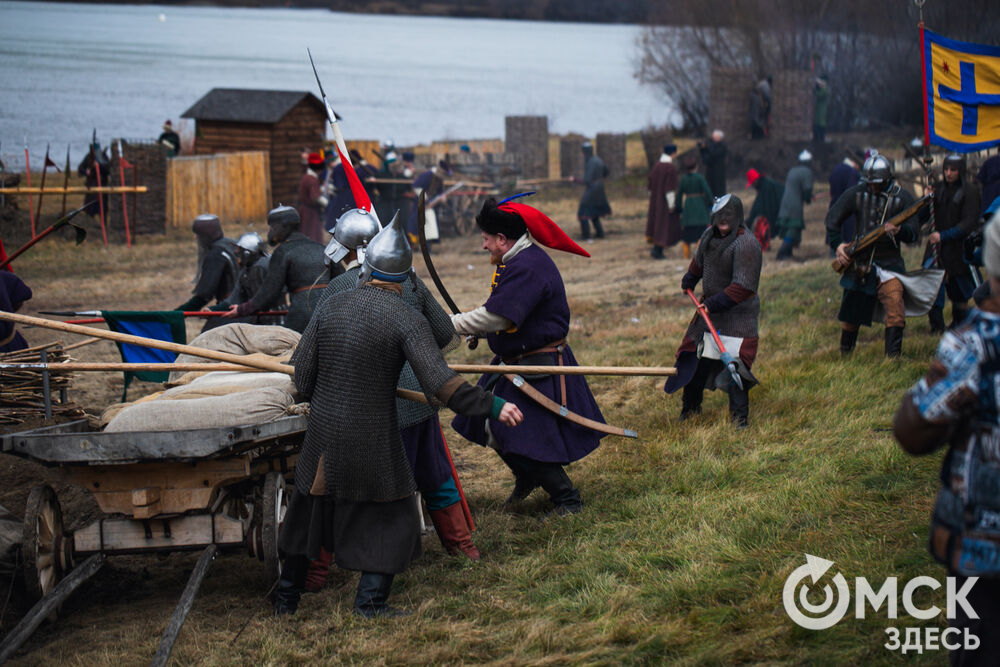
{"x": 525, "y": 321}
{"x": 13, "y": 293}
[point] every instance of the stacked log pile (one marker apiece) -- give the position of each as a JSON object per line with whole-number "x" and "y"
{"x": 22, "y": 395}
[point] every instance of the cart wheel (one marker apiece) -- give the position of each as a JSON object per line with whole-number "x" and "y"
{"x": 47, "y": 551}
{"x": 275, "y": 502}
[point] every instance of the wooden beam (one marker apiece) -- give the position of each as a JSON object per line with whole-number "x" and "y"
{"x": 48, "y": 604}
{"x": 183, "y": 607}
{"x": 73, "y": 189}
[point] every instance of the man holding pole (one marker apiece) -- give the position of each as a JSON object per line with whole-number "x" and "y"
{"x": 873, "y": 276}
{"x": 727, "y": 263}
{"x": 354, "y": 489}
{"x": 525, "y": 321}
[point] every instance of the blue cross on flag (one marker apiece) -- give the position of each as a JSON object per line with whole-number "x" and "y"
{"x": 962, "y": 87}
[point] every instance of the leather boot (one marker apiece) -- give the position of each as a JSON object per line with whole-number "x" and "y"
{"x": 936, "y": 319}
{"x": 893, "y": 342}
{"x": 553, "y": 478}
{"x": 453, "y": 531}
{"x": 686, "y": 249}
{"x": 584, "y": 229}
{"x": 657, "y": 252}
{"x": 290, "y": 585}
{"x": 373, "y": 591}
{"x": 318, "y": 571}
{"x": 848, "y": 339}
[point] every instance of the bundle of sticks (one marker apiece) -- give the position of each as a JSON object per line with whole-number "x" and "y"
{"x": 22, "y": 391}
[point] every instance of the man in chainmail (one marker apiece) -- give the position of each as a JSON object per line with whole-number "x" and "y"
{"x": 525, "y": 320}
{"x": 216, "y": 264}
{"x": 253, "y": 260}
{"x": 419, "y": 425}
{"x": 873, "y": 202}
{"x": 296, "y": 266}
{"x": 727, "y": 264}
{"x": 354, "y": 488}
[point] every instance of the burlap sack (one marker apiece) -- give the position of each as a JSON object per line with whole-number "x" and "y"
{"x": 243, "y": 339}
{"x": 255, "y": 406}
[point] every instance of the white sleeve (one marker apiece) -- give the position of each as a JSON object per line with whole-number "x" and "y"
{"x": 479, "y": 322}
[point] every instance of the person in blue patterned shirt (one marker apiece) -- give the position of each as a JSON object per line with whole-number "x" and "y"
{"x": 958, "y": 403}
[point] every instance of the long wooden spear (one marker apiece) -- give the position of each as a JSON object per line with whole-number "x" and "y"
{"x": 41, "y": 187}
{"x": 273, "y": 366}
{"x": 121, "y": 172}
{"x": 27, "y": 172}
{"x": 65, "y": 183}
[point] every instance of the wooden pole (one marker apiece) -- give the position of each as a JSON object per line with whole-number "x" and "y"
{"x": 65, "y": 183}
{"x": 72, "y": 189}
{"x": 100, "y": 199}
{"x": 183, "y": 607}
{"x": 121, "y": 172}
{"x": 27, "y": 172}
{"x": 262, "y": 364}
{"x": 82, "y": 366}
{"x": 41, "y": 187}
{"x": 566, "y": 370}
{"x": 44, "y": 607}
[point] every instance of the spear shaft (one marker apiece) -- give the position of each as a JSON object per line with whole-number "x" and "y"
{"x": 65, "y": 183}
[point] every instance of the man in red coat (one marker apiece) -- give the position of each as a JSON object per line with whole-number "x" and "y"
{"x": 663, "y": 225}
{"x": 312, "y": 201}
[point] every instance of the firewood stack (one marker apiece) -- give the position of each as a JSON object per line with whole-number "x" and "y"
{"x": 22, "y": 394}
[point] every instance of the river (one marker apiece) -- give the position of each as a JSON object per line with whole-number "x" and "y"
{"x": 67, "y": 69}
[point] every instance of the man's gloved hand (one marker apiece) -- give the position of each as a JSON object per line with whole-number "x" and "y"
{"x": 688, "y": 281}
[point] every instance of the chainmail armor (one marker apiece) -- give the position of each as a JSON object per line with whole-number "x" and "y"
{"x": 734, "y": 258}
{"x": 417, "y": 295}
{"x": 347, "y": 363}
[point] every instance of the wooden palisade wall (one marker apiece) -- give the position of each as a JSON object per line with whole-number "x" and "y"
{"x": 234, "y": 186}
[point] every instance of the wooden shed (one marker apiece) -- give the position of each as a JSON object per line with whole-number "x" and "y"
{"x": 281, "y": 122}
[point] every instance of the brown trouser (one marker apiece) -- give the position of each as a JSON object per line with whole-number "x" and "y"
{"x": 890, "y": 295}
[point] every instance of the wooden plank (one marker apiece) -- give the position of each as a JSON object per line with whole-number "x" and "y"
{"x": 129, "y": 536}
{"x": 183, "y": 486}
{"x": 48, "y": 604}
{"x": 145, "y": 496}
{"x": 183, "y": 607}
{"x": 74, "y": 189}
{"x": 99, "y": 447}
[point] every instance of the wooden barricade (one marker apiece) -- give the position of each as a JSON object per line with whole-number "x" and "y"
{"x": 234, "y": 186}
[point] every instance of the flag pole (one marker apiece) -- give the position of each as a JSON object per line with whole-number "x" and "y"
{"x": 27, "y": 171}
{"x": 923, "y": 70}
{"x": 121, "y": 172}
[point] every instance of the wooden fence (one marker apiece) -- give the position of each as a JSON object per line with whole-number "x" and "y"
{"x": 234, "y": 186}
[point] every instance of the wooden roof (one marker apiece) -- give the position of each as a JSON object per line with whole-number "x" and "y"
{"x": 242, "y": 105}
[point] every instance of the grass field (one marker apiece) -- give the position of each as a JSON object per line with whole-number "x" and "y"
{"x": 688, "y": 534}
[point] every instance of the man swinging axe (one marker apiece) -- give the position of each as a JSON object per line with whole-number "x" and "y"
{"x": 727, "y": 263}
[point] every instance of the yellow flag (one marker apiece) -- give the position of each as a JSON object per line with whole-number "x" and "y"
{"x": 962, "y": 93}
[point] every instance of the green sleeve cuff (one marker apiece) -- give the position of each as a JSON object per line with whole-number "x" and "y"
{"x": 498, "y": 404}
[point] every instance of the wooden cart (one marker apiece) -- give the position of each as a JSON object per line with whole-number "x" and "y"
{"x": 159, "y": 492}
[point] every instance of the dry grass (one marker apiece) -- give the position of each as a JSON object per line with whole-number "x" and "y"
{"x": 688, "y": 534}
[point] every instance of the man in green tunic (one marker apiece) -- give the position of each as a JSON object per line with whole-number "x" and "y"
{"x": 694, "y": 201}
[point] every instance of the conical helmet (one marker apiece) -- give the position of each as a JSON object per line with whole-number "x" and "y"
{"x": 388, "y": 256}
{"x": 354, "y": 231}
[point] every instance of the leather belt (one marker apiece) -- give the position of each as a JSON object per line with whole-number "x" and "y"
{"x": 555, "y": 347}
